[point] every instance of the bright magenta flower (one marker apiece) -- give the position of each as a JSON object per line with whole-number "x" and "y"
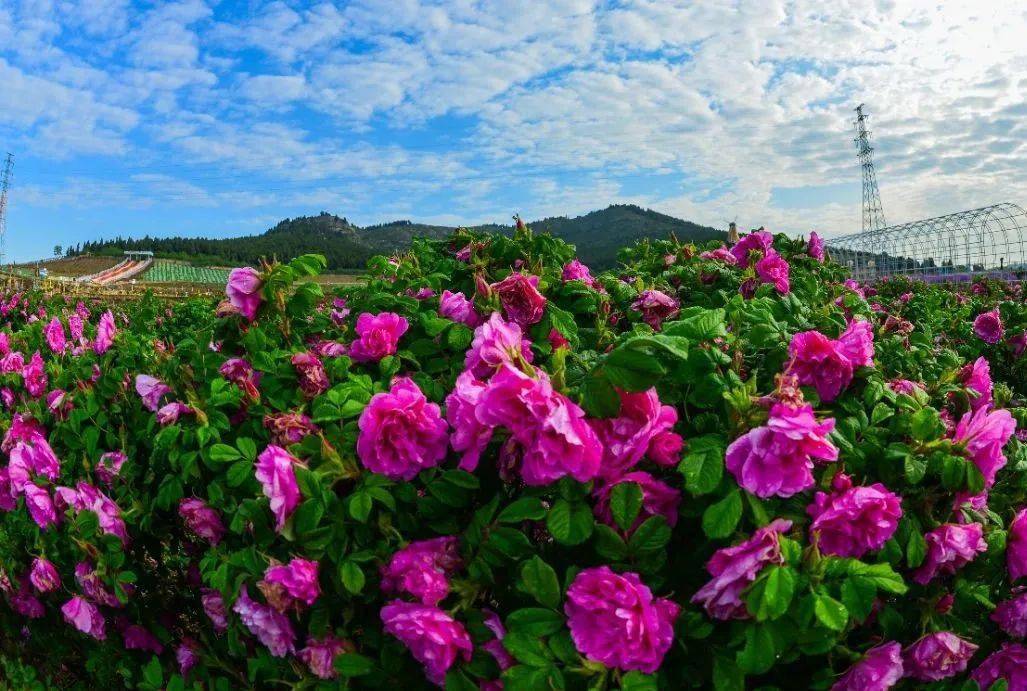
{"x": 977, "y": 378}
{"x": 422, "y": 569}
{"x": 988, "y": 327}
{"x": 879, "y": 670}
{"x": 734, "y": 568}
{"x": 320, "y": 653}
{"x": 470, "y": 436}
{"x": 817, "y": 361}
{"x": 852, "y": 521}
{"x": 1009, "y": 663}
{"x": 43, "y": 576}
{"x": 433, "y": 637}
{"x": 950, "y": 547}
{"x": 214, "y": 608}
{"x": 276, "y": 473}
{"x": 1016, "y": 546}
{"x": 377, "y": 336}
{"x": 298, "y": 578}
{"x": 109, "y": 466}
{"x": 773, "y": 269}
{"x": 574, "y": 270}
{"x": 35, "y": 376}
{"x": 759, "y": 241}
{"x": 56, "y": 339}
{"x": 244, "y": 291}
{"x": 656, "y": 307}
{"x": 658, "y": 499}
{"x": 40, "y": 506}
{"x": 456, "y": 307}
{"x": 105, "y": 332}
{"x": 856, "y": 343}
{"x": 627, "y": 437}
{"x": 777, "y": 460}
{"x": 496, "y": 342}
{"x": 614, "y": 619}
{"x": 151, "y": 390}
{"x": 985, "y": 434}
{"x": 1011, "y": 614}
{"x": 401, "y": 433}
{"x": 816, "y": 246}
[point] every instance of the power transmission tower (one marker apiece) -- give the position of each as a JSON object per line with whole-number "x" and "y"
{"x": 873, "y": 214}
{"x": 5, "y": 183}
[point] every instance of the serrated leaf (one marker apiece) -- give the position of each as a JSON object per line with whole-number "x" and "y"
{"x": 720, "y": 519}
{"x": 625, "y": 503}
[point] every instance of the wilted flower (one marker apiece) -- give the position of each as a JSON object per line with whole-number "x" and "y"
{"x": 950, "y": 547}
{"x": 289, "y": 428}
{"x": 25, "y": 603}
{"x": 202, "y": 519}
{"x": 109, "y": 466}
{"x": 421, "y": 569}
{"x": 244, "y": 291}
{"x": 186, "y": 656}
{"x": 377, "y": 336}
{"x": 879, "y": 670}
{"x": 272, "y": 628}
{"x": 401, "y": 433}
{"x": 214, "y": 608}
{"x": 520, "y": 298}
{"x": 320, "y": 653}
{"x": 138, "y": 638}
{"x": 241, "y": 373}
{"x": 169, "y": 414}
{"x": 93, "y": 586}
{"x": 988, "y": 327}
{"x": 310, "y": 372}
{"x": 86, "y": 617}
{"x": 937, "y": 656}
{"x": 43, "y": 576}
{"x": 734, "y": 568}
{"x": 854, "y": 520}
{"x": 433, "y": 637}
{"x": 275, "y": 472}
{"x": 40, "y": 506}
{"x": 777, "y": 460}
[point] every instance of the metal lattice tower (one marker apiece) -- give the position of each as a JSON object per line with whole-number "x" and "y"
{"x": 5, "y": 183}
{"x": 873, "y": 214}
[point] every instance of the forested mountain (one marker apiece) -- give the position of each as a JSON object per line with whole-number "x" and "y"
{"x": 597, "y": 236}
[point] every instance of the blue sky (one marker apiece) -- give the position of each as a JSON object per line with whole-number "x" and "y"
{"x": 200, "y": 117}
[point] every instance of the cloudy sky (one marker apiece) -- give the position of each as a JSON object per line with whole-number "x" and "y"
{"x": 219, "y": 118}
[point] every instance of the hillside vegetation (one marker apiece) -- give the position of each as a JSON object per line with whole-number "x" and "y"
{"x": 597, "y": 236}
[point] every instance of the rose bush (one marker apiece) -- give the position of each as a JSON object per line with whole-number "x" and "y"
{"x": 489, "y": 467}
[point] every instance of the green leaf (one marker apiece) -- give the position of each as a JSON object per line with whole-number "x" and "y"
{"x": 571, "y": 523}
{"x": 830, "y": 612}
{"x": 524, "y": 509}
{"x": 535, "y": 621}
{"x": 720, "y": 519}
{"x": 540, "y": 581}
{"x": 152, "y": 673}
{"x": 703, "y": 464}
{"x": 527, "y": 648}
{"x": 247, "y": 447}
{"x": 223, "y": 453}
{"x": 625, "y": 503}
{"x": 633, "y": 370}
{"x": 652, "y": 535}
{"x": 925, "y": 424}
{"x": 637, "y": 681}
{"x": 238, "y": 473}
{"x": 858, "y": 595}
{"x": 608, "y": 543}
{"x": 771, "y": 594}
{"x": 360, "y": 506}
{"x": 599, "y": 397}
{"x": 352, "y": 576}
{"x": 916, "y": 549}
{"x": 353, "y": 665}
{"x": 758, "y": 654}
{"x": 727, "y": 676}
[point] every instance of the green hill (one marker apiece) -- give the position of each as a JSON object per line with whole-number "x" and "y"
{"x": 596, "y": 235}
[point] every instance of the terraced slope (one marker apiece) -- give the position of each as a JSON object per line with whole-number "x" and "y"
{"x": 168, "y": 271}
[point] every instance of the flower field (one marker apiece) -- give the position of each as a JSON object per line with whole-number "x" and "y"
{"x": 485, "y": 467}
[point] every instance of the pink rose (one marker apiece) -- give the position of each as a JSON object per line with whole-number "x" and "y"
{"x": 169, "y": 414}
{"x": 275, "y": 472}
{"x": 1009, "y": 663}
{"x": 627, "y": 437}
{"x": 271, "y": 627}
{"x": 614, "y": 619}
{"x": 817, "y": 361}
{"x": 422, "y": 569}
{"x": 773, "y": 269}
{"x": 656, "y": 307}
{"x": 576, "y": 271}
{"x": 202, "y": 520}
{"x": 777, "y": 460}
{"x": 244, "y": 291}
{"x": 937, "y": 656}
{"x": 85, "y": 616}
{"x": 815, "y": 248}
{"x": 988, "y": 327}
{"x": 470, "y": 436}
{"x": 853, "y": 520}
{"x": 879, "y": 670}
{"x": 759, "y": 241}
{"x": 984, "y": 434}
{"x": 56, "y": 339}
{"x": 1016, "y": 546}
{"x": 1011, "y": 615}
{"x": 658, "y": 499}
{"x": 214, "y": 608}
{"x": 43, "y": 576}
{"x": 433, "y": 637}
{"x": 320, "y": 653}
{"x": 734, "y": 568}
{"x": 313, "y": 379}
{"x": 977, "y": 378}
{"x": 950, "y": 547}
{"x": 298, "y": 578}
{"x": 151, "y": 390}
{"x": 377, "y": 336}
{"x": 40, "y": 506}
{"x": 105, "y": 332}
{"x": 34, "y": 375}
{"x": 456, "y": 307}
{"x": 496, "y": 342}
{"x": 109, "y": 466}
{"x": 401, "y": 433}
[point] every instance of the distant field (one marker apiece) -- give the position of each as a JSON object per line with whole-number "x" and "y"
{"x": 72, "y": 267}
{"x": 168, "y": 271}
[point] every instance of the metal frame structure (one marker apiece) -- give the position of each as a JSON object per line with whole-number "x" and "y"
{"x": 873, "y": 212}
{"x": 991, "y": 240}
